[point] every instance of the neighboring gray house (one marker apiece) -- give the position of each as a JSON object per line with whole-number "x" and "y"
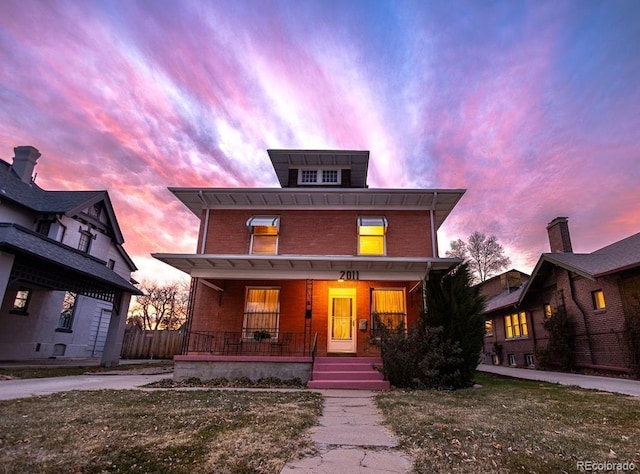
{"x": 65, "y": 279}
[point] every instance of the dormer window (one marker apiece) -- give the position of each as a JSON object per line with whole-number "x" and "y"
{"x": 330, "y": 176}
{"x": 264, "y": 234}
{"x": 319, "y": 176}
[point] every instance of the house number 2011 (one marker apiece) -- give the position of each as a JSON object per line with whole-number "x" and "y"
{"x": 350, "y": 275}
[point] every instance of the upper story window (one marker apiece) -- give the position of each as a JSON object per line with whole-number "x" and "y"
{"x": 85, "y": 241}
{"x": 515, "y": 325}
{"x": 44, "y": 227}
{"x": 330, "y": 176}
{"x": 111, "y": 264}
{"x": 548, "y": 310}
{"x": 264, "y": 234}
{"x": 95, "y": 210}
{"x": 319, "y": 176}
{"x": 372, "y": 231}
{"x": 598, "y": 299}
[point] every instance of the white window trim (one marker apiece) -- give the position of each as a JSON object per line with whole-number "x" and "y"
{"x": 319, "y": 181}
{"x": 253, "y": 221}
{"x": 384, "y": 223}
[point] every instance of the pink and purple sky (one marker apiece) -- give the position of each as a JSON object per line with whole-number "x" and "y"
{"x": 532, "y": 106}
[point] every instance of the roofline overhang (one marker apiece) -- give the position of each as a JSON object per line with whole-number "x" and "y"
{"x": 439, "y": 201}
{"x": 202, "y": 193}
{"x": 548, "y": 258}
{"x": 313, "y": 267}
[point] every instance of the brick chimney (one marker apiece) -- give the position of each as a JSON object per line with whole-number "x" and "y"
{"x": 24, "y": 161}
{"x": 559, "y": 238}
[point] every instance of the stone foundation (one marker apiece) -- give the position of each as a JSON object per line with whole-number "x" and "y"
{"x": 235, "y": 367}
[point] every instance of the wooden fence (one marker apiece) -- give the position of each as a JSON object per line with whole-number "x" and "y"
{"x": 139, "y": 344}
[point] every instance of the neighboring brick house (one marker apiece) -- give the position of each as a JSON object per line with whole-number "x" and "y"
{"x": 64, "y": 275}
{"x": 597, "y": 290}
{"x": 503, "y": 293}
{"x": 301, "y": 270}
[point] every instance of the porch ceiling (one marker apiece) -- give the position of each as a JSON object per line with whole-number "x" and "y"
{"x": 289, "y": 267}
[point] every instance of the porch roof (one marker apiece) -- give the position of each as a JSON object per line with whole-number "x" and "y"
{"x": 295, "y": 267}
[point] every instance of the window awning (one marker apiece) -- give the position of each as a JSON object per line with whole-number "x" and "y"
{"x": 372, "y": 221}
{"x": 268, "y": 221}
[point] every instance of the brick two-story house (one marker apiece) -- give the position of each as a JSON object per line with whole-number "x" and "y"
{"x": 598, "y": 291}
{"x": 285, "y": 274}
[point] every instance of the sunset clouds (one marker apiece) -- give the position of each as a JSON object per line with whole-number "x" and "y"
{"x": 531, "y": 106}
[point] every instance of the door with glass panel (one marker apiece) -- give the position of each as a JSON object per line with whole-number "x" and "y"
{"x": 342, "y": 320}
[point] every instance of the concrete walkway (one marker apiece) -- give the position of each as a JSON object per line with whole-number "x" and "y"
{"x": 605, "y": 384}
{"x": 350, "y": 439}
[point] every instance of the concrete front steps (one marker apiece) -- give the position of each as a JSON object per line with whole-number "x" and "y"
{"x": 347, "y": 373}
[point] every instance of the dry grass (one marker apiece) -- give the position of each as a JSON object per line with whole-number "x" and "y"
{"x": 156, "y": 431}
{"x": 513, "y": 426}
{"x": 36, "y": 372}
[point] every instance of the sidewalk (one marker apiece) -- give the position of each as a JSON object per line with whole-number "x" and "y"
{"x": 605, "y": 384}
{"x": 350, "y": 439}
{"x": 21, "y": 388}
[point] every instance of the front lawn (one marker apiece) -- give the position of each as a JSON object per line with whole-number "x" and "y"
{"x": 509, "y": 425}
{"x": 37, "y": 372}
{"x": 161, "y": 431}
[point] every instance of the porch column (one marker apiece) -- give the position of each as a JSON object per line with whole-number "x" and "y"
{"x": 6, "y": 264}
{"x": 115, "y": 333}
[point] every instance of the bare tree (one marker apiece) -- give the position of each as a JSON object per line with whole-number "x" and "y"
{"x": 484, "y": 255}
{"x": 160, "y": 306}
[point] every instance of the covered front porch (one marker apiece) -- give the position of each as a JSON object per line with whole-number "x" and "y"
{"x": 261, "y": 317}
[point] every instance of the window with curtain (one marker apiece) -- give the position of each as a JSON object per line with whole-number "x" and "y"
{"x": 342, "y": 317}
{"x": 261, "y": 312}
{"x": 389, "y": 305}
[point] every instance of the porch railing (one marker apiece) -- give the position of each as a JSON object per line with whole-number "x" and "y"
{"x": 260, "y": 342}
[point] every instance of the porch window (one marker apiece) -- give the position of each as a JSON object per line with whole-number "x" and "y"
{"x": 389, "y": 307}
{"x": 264, "y": 234}
{"x": 261, "y": 312}
{"x": 515, "y": 325}
{"x": 65, "y": 323}
{"x": 371, "y": 235}
{"x": 21, "y": 301}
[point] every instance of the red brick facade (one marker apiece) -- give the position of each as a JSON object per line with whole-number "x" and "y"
{"x": 601, "y": 342}
{"x": 310, "y": 232}
{"x": 216, "y": 311}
